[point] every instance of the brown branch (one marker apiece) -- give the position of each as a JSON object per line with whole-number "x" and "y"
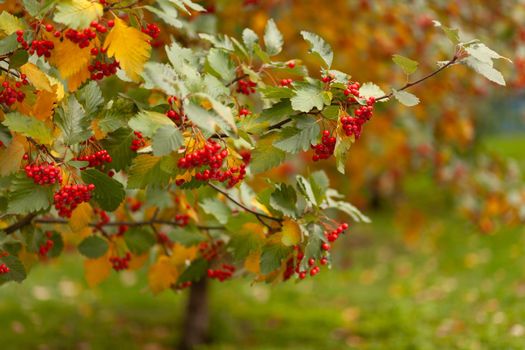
{"x": 237, "y": 79}
{"x": 257, "y": 214}
{"x": 26, "y": 220}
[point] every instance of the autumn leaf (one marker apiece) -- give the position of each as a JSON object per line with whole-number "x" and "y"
{"x": 11, "y": 157}
{"x": 253, "y": 262}
{"x": 162, "y": 275}
{"x": 97, "y": 271}
{"x": 44, "y": 105}
{"x": 81, "y": 217}
{"x": 71, "y": 61}
{"x": 130, "y": 48}
{"x": 291, "y": 233}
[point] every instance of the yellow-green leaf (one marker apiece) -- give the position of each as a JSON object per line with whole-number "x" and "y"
{"x": 78, "y": 14}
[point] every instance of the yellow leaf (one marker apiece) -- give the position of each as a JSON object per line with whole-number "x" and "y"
{"x": 97, "y": 271}
{"x": 130, "y": 48}
{"x": 37, "y": 78}
{"x": 74, "y": 81}
{"x": 137, "y": 261}
{"x": 11, "y": 157}
{"x": 181, "y": 254}
{"x": 81, "y": 217}
{"x": 99, "y": 134}
{"x": 253, "y": 262}
{"x": 162, "y": 275}
{"x": 291, "y": 233}
{"x": 57, "y": 87}
{"x": 70, "y": 59}
{"x": 9, "y": 23}
{"x": 78, "y": 14}
{"x": 44, "y": 105}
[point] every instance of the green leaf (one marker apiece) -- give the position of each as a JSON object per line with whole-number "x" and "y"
{"x": 340, "y": 152}
{"x": 368, "y": 90}
{"x": 217, "y": 209}
{"x": 93, "y": 247}
{"x": 407, "y": 65}
{"x": 18, "y": 58}
{"x": 108, "y": 193}
{"x": 482, "y": 53}
{"x": 406, "y": 98}
{"x": 73, "y": 121}
{"x": 293, "y": 140}
{"x": 187, "y": 236}
{"x": 204, "y": 119}
{"x": 147, "y": 170}
{"x": 194, "y": 272}
{"x": 284, "y": 199}
{"x": 27, "y": 197}
{"x": 139, "y": 240}
{"x": 272, "y": 256}
{"x": 319, "y": 47}
{"x": 265, "y": 156}
{"x": 221, "y": 65}
{"x": 118, "y": 145}
{"x": 273, "y": 39}
{"x": 90, "y": 97}
{"x": 276, "y": 92}
{"x": 307, "y": 97}
{"x": 223, "y": 114}
{"x": 331, "y": 112}
{"x": 306, "y": 189}
{"x": 8, "y": 44}
{"x": 332, "y": 201}
{"x": 147, "y": 122}
{"x": 319, "y": 182}
{"x": 28, "y": 126}
{"x": 17, "y": 271}
{"x": 77, "y": 14}
{"x": 166, "y": 140}
{"x": 250, "y": 39}
{"x": 313, "y": 247}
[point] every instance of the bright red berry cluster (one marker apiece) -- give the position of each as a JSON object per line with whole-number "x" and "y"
{"x": 182, "y": 219}
{"x": 44, "y": 174}
{"x": 103, "y": 218}
{"x": 246, "y": 86}
{"x": 81, "y": 38}
{"x": 120, "y": 263}
{"x": 4, "y": 269}
{"x": 333, "y": 235}
{"x": 99, "y": 70}
{"x": 138, "y": 142}
{"x": 183, "y": 285}
{"x": 243, "y": 112}
{"x": 44, "y": 249}
{"x": 100, "y": 27}
{"x": 70, "y": 196}
{"x": 96, "y": 159}
{"x": 223, "y": 273}
{"x": 152, "y": 30}
{"x": 286, "y": 82}
{"x": 327, "y": 79}
{"x": 10, "y": 93}
{"x": 40, "y": 47}
{"x": 324, "y": 149}
{"x": 213, "y": 155}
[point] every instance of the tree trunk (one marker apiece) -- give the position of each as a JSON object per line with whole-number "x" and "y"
{"x": 197, "y": 319}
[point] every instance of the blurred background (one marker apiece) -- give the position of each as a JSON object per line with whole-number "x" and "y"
{"x": 440, "y": 266}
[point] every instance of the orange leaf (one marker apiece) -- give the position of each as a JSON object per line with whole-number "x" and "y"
{"x": 44, "y": 105}
{"x": 162, "y": 275}
{"x": 81, "y": 217}
{"x": 97, "y": 271}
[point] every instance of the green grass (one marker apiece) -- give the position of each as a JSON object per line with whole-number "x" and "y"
{"x": 449, "y": 288}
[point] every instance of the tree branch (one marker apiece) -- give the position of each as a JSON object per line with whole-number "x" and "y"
{"x": 257, "y": 214}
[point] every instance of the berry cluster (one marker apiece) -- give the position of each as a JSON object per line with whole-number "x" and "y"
{"x": 183, "y": 285}
{"x": 134, "y": 204}
{"x": 212, "y": 155}
{"x": 243, "y": 112}
{"x": 10, "y": 93}
{"x": 333, "y": 235}
{"x": 100, "y": 70}
{"x": 100, "y": 27}
{"x": 210, "y": 251}
{"x": 246, "y": 86}
{"x": 226, "y": 271}
{"x": 47, "y": 246}
{"x": 44, "y": 174}
{"x": 293, "y": 266}
{"x": 152, "y": 30}
{"x": 103, "y": 218}
{"x": 120, "y": 263}
{"x": 327, "y": 79}
{"x": 285, "y": 82}
{"x": 122, "y": 229}
{"x": 326, "y": 148}
{"x": 4, "y": 269}
{"x": 162, "y": 238}
{"x": 70, "y": 196}
{"x": 182, "y": 219}
{"x": 138, "y": 142}
{"x": 41, "y": 48}
{"x": 81, "y": 38}
{"x": 96, "y": 159}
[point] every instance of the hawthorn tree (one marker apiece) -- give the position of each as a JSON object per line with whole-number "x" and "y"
{"x": 145, "y": 154}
